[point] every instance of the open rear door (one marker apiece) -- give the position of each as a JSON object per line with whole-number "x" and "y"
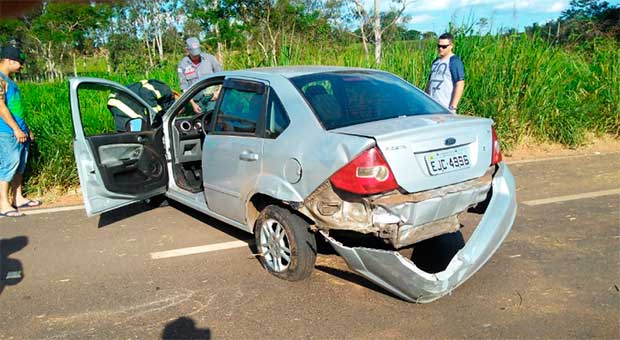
{"x": 120, "y": 158}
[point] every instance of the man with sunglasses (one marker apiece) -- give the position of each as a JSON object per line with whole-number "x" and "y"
{"x": 447, "y": 79}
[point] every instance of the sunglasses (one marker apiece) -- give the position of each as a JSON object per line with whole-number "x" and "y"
{"x": 443, "y": 46}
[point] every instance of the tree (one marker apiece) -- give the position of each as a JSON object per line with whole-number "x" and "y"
{"x": 373, "y": 19}
{"x": 590, "y": 19}
{"x": 272, "y": 27}
{"x": 584, "y": 20}
{"x": 63, "y": 29}
{"x": 152, "y": 19}
{"x": 482, "y": 25}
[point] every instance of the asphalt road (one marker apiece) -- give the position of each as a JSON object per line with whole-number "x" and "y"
{"x": 557, "y": 275}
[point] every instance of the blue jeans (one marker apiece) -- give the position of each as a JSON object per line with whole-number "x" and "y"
{"x": 13, "y": 156}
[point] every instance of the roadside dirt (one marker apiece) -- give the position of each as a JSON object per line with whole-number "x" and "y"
{"x": 526, "y": 151}
{"x": 535, "y": 150}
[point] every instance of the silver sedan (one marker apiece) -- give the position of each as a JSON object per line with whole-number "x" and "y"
{"x": 358, "y": 157}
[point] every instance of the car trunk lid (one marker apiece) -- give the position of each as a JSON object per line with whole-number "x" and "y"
{"x": 431, "y": 151}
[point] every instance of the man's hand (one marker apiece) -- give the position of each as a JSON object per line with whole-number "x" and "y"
{"x": 196, "y": 107}
{"x": 31, "y": 135}
{"x": 20, "y": 135}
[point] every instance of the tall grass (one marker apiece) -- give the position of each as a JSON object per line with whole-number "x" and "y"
{"x": 528, "y": 86}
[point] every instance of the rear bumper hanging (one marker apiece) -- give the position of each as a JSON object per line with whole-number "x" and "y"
{"x": 399, "y": 275}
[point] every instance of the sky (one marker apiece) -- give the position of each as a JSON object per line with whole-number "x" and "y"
{"x": 434, "y": 15}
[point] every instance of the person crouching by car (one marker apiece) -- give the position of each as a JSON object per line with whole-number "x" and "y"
{"x": 155, "y": 93}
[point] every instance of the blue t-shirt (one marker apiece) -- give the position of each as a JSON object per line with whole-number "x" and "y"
{"x": 442, "y": 82}
{"x": 13, "y": 101}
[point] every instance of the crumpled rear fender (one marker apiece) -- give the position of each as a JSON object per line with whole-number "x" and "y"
{"x": 399, "y": 275}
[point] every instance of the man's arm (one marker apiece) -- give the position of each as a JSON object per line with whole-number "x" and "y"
{"x": 7, "y": 117}
{"x": 182, "y": 80}
{"x": 216, "y": 65}
{"x": 459, "y": 87}
{"x": 457, "y": 71}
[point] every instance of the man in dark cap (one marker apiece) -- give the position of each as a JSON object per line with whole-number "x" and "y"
{"x": 15, "y": 137}
{"x": 195, "y": 65}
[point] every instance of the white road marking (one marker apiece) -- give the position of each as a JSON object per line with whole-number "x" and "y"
{"x": 560, "y": 158}
{"x": 52, "y": 210}
{"x": 198, "y": 250}
{"x": 572, "y": 197}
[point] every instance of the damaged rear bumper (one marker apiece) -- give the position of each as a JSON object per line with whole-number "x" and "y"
{"x": 399, "y": 275}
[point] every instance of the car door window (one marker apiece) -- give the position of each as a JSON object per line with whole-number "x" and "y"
{"x": 203, "y": 102}
{"x": 277, "y": 119}
{"x": 239, "y": 112}
{"x": 105, "y": 109}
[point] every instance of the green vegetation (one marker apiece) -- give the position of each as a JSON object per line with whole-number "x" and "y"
{"x": 557, "y": 82}
{"x": 528, "y": 86}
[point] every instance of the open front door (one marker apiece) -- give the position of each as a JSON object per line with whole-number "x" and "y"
{"x": 120, "y": 158}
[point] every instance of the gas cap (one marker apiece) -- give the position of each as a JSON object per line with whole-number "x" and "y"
{"x": 292, "y": 170}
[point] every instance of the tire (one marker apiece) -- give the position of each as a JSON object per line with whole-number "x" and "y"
{"x": 291, "y": 258}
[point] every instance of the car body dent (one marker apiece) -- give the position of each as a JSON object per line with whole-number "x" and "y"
{"x": 399, "y": 275}
{"x": 400, "y": 219}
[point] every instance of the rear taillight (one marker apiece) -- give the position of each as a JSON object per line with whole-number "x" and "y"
{"x": 368, "y": 174}
{"x": 496, "y": 152}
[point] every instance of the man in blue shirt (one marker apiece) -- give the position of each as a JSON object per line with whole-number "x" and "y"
{"x": 447, "y": 79}
{"x": 15, "y": 137}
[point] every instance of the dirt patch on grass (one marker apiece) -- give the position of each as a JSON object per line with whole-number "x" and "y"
{"x": 528, "y": 150}
{"x": 61, "y": 198}
{"x": 531, "y": 149}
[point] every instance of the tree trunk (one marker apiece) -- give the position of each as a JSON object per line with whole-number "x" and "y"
{"x": 160, "y": 45}
{"x": 74, "y": 64}
{"x": 377, "y": 30}
{"x": 148, "y": 51}
{"x": 219, "y": 54}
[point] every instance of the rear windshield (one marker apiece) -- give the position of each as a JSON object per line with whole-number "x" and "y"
{"x": 342, "y": 99}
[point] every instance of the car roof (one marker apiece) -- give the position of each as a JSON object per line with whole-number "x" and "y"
{"x": 295, "y": 71}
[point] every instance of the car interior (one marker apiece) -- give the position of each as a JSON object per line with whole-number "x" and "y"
{"x": 188, "y": 129}
{"x": 239, "y": 109}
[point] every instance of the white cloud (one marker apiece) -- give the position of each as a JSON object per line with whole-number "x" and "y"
{"x": 523, "y": 4}
{"x": 436, "y": 5}
{"x": 534, "y": 6}
{"x": 419, "y": 19}
{"x": 557, "y": 6}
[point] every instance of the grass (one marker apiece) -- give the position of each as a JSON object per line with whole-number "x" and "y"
{"x": 529, "y": 87}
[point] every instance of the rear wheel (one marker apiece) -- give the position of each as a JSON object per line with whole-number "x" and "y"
{"x": 285, "y": 242}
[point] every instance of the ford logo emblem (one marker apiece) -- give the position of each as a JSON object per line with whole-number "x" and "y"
{"x": 450, "y": 141}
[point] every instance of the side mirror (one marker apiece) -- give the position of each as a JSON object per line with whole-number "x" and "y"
{"x": 135, "y": 125}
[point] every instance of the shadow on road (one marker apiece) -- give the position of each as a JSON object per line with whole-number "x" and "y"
{"x": 8, "y": 266}
{"x": 212, "y": 222}
{"x": 117, "y": 215}
{"x": 354, "y": 278}
{"x": 185, "y": 328}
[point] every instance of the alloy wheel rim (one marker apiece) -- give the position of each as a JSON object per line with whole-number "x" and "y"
{"x": 274, "y": 245}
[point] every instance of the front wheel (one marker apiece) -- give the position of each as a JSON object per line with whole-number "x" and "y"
{"x": 285, "y": 243}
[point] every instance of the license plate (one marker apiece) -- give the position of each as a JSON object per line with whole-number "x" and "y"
{"x": 440, "y": 162}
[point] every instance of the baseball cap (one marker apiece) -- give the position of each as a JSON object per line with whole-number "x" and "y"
{"x": 193, "y": 46}
{"x": 13, "y": 53}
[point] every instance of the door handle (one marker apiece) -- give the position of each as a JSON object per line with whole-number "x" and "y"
{"x": 248, "y": 156}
